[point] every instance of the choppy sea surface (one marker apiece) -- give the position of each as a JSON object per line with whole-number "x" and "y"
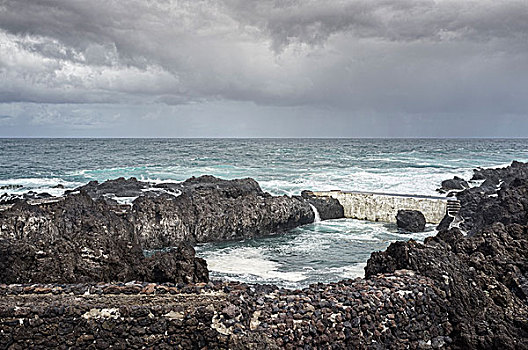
{"x": 319, "y": 252}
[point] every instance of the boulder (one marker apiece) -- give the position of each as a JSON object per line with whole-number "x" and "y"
{"x": 410, "y": 220}
{"x": 454, "y": 184}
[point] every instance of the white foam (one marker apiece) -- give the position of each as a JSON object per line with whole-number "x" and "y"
{"x": 354, "y": 230}
{"x": 476, "y": 183}
{"x": 302, "y": 245}
{"x": 158, "y": 180}
{"x": 249, "y": 261}
{"x": 122, "y": 200}
{"x": 457, "y": 221}
{"x": 280, "y": 187}
{"x": 39, "y": 185}
{"x": 422, "y": 181}
{"x": 163, "y": 190}
{"x": 350, "y": 271}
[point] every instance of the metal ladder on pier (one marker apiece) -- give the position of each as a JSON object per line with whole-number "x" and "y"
{"x": 453, "y": 207}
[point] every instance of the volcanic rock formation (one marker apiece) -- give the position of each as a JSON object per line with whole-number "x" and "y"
{"x": 77, "y": 239}
{"x": 410, "y": 220}
{"x": 482, "y": 267}
{"x": 89, "y": 236}
{"x": 210, "y": 209}
{"x": 466, "y": 288}
{"x": 454, "y": 184}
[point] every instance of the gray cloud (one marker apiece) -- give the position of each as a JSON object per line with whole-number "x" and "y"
{"x": 314, "y": 22}
{"x": 389, "y": 57}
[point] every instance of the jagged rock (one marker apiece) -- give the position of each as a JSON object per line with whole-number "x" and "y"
{"x": 78, "y": 239}
{"x": 87, "y": 236}
{"x": 501, "y": 197}
{"x": 410, "y": 220}
{"x": 454, "y": 291}
{"x": 15, "y": 197}
{"x": 119, "y": 187}
{"x": 210, "y": 209}
{"x": 485, "y": 273}
{"x": 176, "y": 264}
{"x": 201, "y": 209}
{"x": 455, "y": 183}
{"x": 6, "y": 198}
{"x": 328, "y": 207}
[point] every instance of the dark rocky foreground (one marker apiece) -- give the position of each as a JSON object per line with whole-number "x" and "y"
{"x": 465, "y": 288}
{"x": 402, "y": 309}
{"x": 482, "y": 258}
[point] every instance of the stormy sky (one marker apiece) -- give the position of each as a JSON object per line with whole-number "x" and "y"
{"x": 264, "y": 68}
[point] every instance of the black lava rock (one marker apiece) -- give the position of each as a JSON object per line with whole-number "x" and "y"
{"x": 76, "y": 239}
{"x": 455, "y": 183}
{"x": 482, "y": 266}
{"x": 206, "y": 209}
{"x": 410, "y": 220}
{"x": 86, "y": 236}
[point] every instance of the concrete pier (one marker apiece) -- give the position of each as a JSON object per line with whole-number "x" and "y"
{"x": 383, "y": 207}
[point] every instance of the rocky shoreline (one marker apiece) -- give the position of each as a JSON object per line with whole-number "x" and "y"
{"x": 465, "y": 288}
{"x": 87, "y": 235}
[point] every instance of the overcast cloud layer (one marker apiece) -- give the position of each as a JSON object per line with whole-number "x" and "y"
{"x": 263, "y": 68}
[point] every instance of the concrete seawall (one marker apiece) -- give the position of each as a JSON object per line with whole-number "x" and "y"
{"x": 383, "y": 207}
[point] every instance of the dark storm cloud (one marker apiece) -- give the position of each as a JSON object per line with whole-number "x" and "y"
{"x": 406, "y": 56}
{"x": 404, "y": 20}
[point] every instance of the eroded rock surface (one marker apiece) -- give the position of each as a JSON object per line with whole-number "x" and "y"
{"x": 90, "y": 235}
{"x": 484, "y": 274}
{"x": 400, "y": 310}
{"x": 210, "y": 209}
{"x": 410, "y": 220}
{"x": 78, "y": 239}
{"x": 466, "y": 288}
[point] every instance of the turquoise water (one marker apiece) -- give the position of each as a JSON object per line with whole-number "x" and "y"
{"x": 324, "y": 251}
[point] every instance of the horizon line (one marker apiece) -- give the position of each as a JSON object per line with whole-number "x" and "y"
{"x": 266, "y": 138}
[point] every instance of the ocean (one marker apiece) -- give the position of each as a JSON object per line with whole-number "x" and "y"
{"x": 320, "y": 252}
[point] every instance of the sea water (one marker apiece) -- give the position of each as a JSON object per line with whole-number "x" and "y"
{"x": 320, "y": 252}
